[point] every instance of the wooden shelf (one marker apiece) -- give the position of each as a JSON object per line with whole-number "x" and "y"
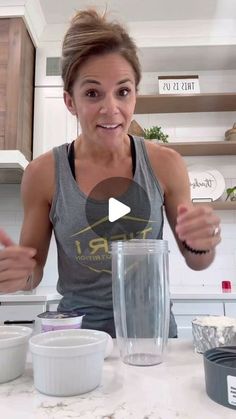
{"x": 203, "y": 102}
{"x": 220, "y": 205}
{"x": 206, "y": 102}
{"x": 204, "y": 148}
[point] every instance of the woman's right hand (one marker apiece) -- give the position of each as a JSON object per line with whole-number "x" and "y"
{"x": 16, "y": 264}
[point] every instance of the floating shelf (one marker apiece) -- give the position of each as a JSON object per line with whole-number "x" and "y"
{"x": 204, "y": 148}
{"x": 219, "y": 205}
{"x": 201, "y": 102}
{"x": 12, "y": 166}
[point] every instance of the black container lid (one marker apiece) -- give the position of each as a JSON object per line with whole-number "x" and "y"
{"x": 220, "y": 375}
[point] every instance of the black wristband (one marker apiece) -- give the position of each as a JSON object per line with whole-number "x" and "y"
{"x": 195, "y": 251}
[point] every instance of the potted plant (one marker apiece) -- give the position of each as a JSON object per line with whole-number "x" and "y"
{"x": 155, "y": 133}
{"x": 231, "y": 193}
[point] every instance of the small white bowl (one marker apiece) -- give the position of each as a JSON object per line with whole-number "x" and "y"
{"x": 13, "y": 351}
{"x": 68, "y": 362}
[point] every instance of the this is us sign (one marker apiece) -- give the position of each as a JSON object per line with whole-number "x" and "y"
{"x": 178, "y": 85}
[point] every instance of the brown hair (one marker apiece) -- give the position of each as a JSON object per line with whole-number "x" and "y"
{"x": 91, "y": 34}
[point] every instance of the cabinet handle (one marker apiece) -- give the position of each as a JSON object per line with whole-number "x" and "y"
{"x": 19, "y": 322}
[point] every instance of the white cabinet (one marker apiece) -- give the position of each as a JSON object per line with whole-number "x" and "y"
{"x": 20, "y": 312}
{"x": 230, "y": 309}
{"x": 43, "y": 52}
{"x": 185, "y": 311}
{"x": 53, "y": 123}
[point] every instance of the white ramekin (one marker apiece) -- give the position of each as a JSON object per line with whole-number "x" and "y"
{"x": 68, "y": 362}
{"x": 13, "y": 351}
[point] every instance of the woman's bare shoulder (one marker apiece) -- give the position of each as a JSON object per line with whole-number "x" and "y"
{"x": 167, "y": 164}
{"x": 160, "y": 155}
{"x": 39, "y": 177}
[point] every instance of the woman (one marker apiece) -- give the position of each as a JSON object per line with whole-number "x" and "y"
{"x": 101, "y": 73}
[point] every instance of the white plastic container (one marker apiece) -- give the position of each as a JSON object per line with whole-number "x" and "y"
{"x": 54, "y": 320}
{"x": 68, "y": 362}
{"x": 13, "y": 351}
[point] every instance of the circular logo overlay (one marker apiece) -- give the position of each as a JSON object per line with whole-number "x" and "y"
{"x": 118, "y": 208}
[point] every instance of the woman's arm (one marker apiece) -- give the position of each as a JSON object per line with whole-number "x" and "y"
{"x": 17, "y": 262}
{"x": 193, "y": 225}
{"x": 37, "y": 189}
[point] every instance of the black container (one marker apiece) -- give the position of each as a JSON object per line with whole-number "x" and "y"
{"x": 220, "y": 375}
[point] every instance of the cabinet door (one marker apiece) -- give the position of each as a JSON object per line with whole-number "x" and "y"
{"x": 17, "y": 56}
{"x": 53, "y": 123}
{"x": 186, "y": 311}
{"x": 20, "y": 312}
{"x": 44, "y": 51}
{"x": 230, "y": 309}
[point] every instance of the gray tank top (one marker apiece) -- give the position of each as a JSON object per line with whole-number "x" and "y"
{"x": 84, "y": 262}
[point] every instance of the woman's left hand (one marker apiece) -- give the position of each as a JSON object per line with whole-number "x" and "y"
{"x": 198, "y": 226}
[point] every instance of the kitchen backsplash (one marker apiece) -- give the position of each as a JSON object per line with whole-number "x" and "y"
{"x": 223, "y": 268}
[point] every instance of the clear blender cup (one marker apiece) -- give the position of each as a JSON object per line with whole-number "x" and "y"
{"x": 141, "y": 300}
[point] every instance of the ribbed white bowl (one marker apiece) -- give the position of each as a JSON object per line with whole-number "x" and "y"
{"x": 68, "y": 362}
{"x": 13, "y": 351}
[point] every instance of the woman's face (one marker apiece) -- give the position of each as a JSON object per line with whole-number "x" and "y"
{"x": 104, "y": 96}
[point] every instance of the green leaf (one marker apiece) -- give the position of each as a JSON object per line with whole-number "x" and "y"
{"x": 229, "y": 191}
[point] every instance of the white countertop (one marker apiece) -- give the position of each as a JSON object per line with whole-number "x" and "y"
{"x": 172, "y": 390}
{"x": 43, "y": 294}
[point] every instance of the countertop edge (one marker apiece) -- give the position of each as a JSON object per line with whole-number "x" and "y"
{"x": 49, "y": 294}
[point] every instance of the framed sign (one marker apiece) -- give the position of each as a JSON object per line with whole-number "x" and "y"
{"x": 169, "y": 85}
{"x": 206, "y": 185}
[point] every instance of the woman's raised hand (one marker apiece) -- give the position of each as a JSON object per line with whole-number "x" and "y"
{"x": 16, "y": 264}
{"x": 199, "y": 227}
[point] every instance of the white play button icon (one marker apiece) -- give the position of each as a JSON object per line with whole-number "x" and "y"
{"x": 116, "y": 209}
